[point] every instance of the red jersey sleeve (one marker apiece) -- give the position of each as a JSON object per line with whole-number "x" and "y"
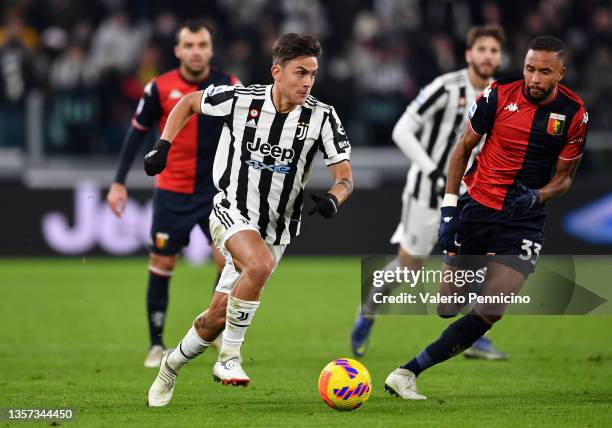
{"x": 482, "y": 112}
{"x": 149, "y": 108}
{"x": 576, "y": 136}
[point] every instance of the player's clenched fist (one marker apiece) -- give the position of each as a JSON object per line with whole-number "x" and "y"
{"x": 155, "y": 160}
{"x": 326, "y": 205}
{"x": 525, "y": 200}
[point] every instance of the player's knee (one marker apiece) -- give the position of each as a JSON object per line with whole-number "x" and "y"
{"x": 493, "y": 318}
{"x": 489, "y": 313}
{"x": 446, "y": 311}
{"x": 164, "y": 263}
{"x": 259, "y": 269}
{"x": 488, "y": 317}
{"x": 446, "y": 316}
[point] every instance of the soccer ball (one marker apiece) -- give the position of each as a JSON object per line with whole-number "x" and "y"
{"x": 345, "y": 384}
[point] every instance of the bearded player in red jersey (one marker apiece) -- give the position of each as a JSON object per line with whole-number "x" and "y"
{"x": 536, "y": 131}
{"x": 184, "y": 191}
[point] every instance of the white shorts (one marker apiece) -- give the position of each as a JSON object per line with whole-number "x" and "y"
{"x": 224, "y": 223}
{"x": 417, "y": 232}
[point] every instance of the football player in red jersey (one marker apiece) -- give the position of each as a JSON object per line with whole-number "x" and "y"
{"x": 535, "y": 130}
{"x": 184, "y": 191}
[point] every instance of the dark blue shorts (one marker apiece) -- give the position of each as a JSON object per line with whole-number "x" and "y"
{"x": 174, "y": 216}
{"x": 515, "y": 241}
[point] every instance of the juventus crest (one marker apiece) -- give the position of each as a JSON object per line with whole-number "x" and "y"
{"x": 302, "y": 130}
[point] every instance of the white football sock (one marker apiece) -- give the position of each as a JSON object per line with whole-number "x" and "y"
{"x": 238, "y": 318}
{"x": 190, "y": 347}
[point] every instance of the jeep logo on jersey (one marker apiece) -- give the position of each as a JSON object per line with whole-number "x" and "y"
{"x": 277, "y": 152}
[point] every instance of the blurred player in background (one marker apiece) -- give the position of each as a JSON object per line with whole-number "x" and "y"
{"x": 270, "y": 138}
{"x": 536, "y": 130}
{"x": 425, "y": 133}
{"x": 184, "y": 191}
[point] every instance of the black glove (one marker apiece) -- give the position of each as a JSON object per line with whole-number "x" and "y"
{"x": 524, "y": 201}
{"x": 438, "y": 180}
{"x": 155, "y": 160}
{"x": 449, "y": 226}
{"x": 326, "y": 205}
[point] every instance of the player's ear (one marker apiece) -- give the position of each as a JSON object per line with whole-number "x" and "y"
{"x": 177, "y": 51}
{"x": 276, "y": 71}
{"x": 561, "y": 73}
{"x": 468, "y": 56}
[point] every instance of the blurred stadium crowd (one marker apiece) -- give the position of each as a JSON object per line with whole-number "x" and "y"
{"x": 91, "y": 59}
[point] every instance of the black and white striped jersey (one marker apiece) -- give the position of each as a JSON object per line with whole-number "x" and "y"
{"x": 264, "y": 157}
{"x": 440, "y": 110}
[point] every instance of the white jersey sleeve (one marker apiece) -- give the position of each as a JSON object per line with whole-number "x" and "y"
{"x": 335, "y": 143}
{"x": 217, "y": 101}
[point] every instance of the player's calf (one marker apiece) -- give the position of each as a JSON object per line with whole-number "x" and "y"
{"x": 160, "y": 274}
{"x": 210, "y": 323}
{"x": 452, "y": 295}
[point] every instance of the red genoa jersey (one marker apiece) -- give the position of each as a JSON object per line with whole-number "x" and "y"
{"x": 189, "y": 167}
{"x": 524, "y": 140}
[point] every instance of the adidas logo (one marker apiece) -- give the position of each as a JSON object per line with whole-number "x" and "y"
{"x": 511, "y": 107}
{"x": 447, "y": 219}
{"x": 174, "y": 94}
{"x": 251, "y": 123}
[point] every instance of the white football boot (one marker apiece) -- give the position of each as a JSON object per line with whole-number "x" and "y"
{"x": 402, "y": 383}
{"x": 154, "y": 356}
{"x": 228, "y": 371}
{"x": 162, "y": 389}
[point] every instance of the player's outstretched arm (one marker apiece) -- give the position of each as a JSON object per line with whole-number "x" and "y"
{"x": 327, "y": 204}
{"x": 561, "y": 181}
{"x": 155, "y": 160}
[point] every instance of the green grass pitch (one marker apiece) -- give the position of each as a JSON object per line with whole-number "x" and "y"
{"x": 73, "y": 334}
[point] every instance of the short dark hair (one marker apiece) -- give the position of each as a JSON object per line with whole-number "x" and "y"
{"x": 193, "y": 25}
{"x": 489, "y": 30}
{"x": 548, "y": 44}
{"x": 291, "y": 45}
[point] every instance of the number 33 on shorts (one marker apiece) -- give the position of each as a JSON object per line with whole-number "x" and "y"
{"x": 531, "y": 251}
